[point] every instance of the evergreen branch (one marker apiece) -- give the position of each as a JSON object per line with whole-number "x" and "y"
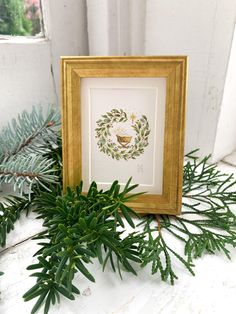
{"x": 158, "y": 253}
{"x": 80, "y": 228}
{"x": 56, "y": 155}
{"x": 27, "y": 171}
{"x": 199, "y": 174}
{"x": 30, "y": 133}
{"x": 10, "y": 211}
{"x": 207, "y": 223}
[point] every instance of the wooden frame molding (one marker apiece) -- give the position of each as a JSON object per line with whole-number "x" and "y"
{"x": 174, "y": 69}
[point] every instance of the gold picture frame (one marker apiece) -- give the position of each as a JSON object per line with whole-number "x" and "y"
{"x": 173, "y": 69}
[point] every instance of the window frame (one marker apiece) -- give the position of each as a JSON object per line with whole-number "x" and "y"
{"x": 42, "y": 36}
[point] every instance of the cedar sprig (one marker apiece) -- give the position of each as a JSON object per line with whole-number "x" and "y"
{"x": 207, "y": 223}
{"x": 155, "y": 251}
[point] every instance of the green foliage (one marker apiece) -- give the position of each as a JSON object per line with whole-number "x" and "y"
{"x": 26, "y": 171}
{"x": 10, "y": 211}
{"x": 55, "y": 154}
{"x": 24, "y": 148}
{"x": 209, "y": 197}
{"x": 30, "y": 157}
{"x": 155, "y": 251}
{"x": 32, "y": 133}
{"x": 80, "y": 228}
{"x": 12, "y": 18}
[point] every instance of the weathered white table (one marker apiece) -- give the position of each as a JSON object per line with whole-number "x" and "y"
{"x": 212, "y": 290}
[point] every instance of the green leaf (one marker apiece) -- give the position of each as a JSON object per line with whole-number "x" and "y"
{"x": 119, "y": 219}
{"x": 84, "y": 271}
{"x": 40, "y": 275}
{"x": 34, "y": 266}
{"x": 82, "y": 224}
{"x": 93, "y": 223}
{"x": 52, "y": 249}
{"x": 60, "y": 267}
{"x": 128, "y": 266}
{"x": 33, "y": 289}
{"x": 126, "y": 215}
{"x": 44, "y": 262}
{"x": 35, "y": 294}
{"x": 112, "y": 188}
{"x": 39, "y": 303}
{"x": 81, "y": 250}
{"x": 99, "y": 252}
{"x": 65, "y": 292}
{"x": 79, "y": 188}
{"x": 116, "y": 191}
{"x": 75, "y": 290}
{"x": 47, "y": 302}
{"x": 132, "y": 257}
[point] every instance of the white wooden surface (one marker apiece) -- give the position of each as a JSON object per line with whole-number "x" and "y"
{"x": 212, "y": 290}
{"x": 231, "y": 159}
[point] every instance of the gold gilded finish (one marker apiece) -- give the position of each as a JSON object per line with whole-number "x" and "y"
{"x": 174, "y": 69}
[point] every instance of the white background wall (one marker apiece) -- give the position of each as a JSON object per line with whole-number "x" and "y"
{"x": 29, "y": 69}
{"x": 25, "y": 77}
{"x": 225, "y": 141}
{"x": 201, "y": 29}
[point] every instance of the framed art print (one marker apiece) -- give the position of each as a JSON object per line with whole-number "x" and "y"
{"x": 124, "y": 117}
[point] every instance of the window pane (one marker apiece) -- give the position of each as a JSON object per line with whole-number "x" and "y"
{"x": 20, "y": 17}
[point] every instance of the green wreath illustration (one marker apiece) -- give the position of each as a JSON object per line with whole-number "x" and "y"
{"x": 123, "y": 149}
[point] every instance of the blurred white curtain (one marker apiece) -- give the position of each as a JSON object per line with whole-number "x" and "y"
{"x": 116, "y": 27}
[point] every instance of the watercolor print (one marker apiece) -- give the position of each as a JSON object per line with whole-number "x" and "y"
{"x": 122, "y": 135}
